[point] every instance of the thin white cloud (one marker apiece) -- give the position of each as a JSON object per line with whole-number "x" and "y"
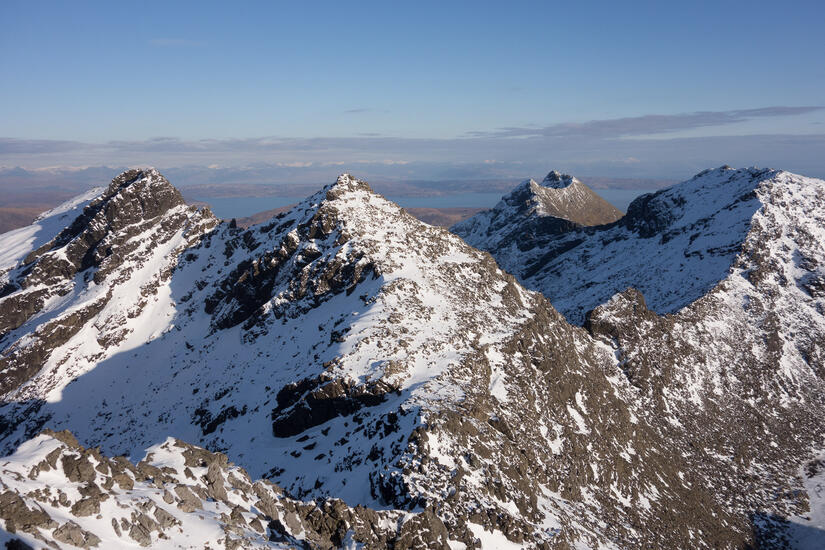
{"x": 293, "y": 164}
{"x": 644, "y": 125}
{"x": 599, "y": 147}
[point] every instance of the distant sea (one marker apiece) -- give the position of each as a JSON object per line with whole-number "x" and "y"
{"x": 241, "y": 207}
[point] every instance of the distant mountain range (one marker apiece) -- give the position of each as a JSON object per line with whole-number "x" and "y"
{"x": 343, "y": 375}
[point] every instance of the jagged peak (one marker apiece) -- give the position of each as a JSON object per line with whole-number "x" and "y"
{"x": 556, "y": 180}
{"x": 133, "y": 202}
{"x": 553, "y": 180}
{"x": 691, "y": 235}
{"x": 707, "y": 171}
{"x": 346, "y": 179}
{"x": 347, "y": 200}
{"x": 132, "y": 175}
{"x": 344, "y": 184}
{"x": 148, "y": 177}
{"x": 139, "y": 193}
{"x": 559, "y": 200}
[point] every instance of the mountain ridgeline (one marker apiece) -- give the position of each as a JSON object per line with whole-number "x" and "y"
{"x": 344, "y": 375}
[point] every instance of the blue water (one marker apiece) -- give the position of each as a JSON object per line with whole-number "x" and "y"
{"x": 241, "y": 207}
{"x": 468, "y": 200}
{"x": 621, "y": 198}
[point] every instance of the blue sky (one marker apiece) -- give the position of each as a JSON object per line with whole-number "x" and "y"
{"x": 417, "y": 83}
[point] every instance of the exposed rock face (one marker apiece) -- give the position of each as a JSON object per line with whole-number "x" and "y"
{"x": 401, "y": 389}
{"x": 532, "y": 212}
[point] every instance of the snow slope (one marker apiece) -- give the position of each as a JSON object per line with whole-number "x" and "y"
{"x": 807, "y": 531}
{"x": 346, "y": 350}
{"x": 17, "y": 244}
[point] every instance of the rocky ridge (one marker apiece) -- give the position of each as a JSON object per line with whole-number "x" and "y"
{"x": 346, "y": 350}
{"x": 54, "y": 491}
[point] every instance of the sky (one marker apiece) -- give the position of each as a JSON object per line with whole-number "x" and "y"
{"x": 416, "y": 89}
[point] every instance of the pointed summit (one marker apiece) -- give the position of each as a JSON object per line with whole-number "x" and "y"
{"x": 138, "y": 194}
{"x": 565, "y": 197}
{"x": 557, "y": 180}
{"x": 532, "y": 211}
{"x": 344, "y": 184}
{"x": 136, "y": 180}
{"x": 129, "y": 204}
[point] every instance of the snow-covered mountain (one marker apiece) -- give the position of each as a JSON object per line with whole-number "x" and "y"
{"x": 532, "y": 210}
{"x": 736, "y": 261}
{"x": 397, "y": 385}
